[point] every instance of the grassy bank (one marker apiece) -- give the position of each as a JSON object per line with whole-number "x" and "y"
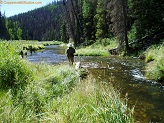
{"x": 155, "y": 63}
{"x": 100, "y": 48}
{"x": 89, "y": 102}
{"x": 46, "y": 93}
{"x": 36, "y": 45}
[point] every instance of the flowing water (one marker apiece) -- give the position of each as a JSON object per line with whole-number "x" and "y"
{"x": 125, "y": 74}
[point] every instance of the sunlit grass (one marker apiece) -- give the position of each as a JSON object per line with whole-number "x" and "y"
{"x": 13, "y": 70}
{"x": 155, "y": 66}
{"x": 27, "y": 105}
{"x": 36, "y": 45}
{"x": 89, "y": 102}
{"x": 92, "y": 52}
{"x": 99, "y": 48}
{"x": 151, "y": 54}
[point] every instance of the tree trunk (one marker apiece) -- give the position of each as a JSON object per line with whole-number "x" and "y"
{"x": 124, "y": 5}
{"x": 69, "y": 22}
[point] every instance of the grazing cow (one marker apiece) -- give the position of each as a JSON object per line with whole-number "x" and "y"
{"x": 23, "y": 52}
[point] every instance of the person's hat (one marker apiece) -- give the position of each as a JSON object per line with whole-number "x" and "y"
{"x": 70, "y": 45}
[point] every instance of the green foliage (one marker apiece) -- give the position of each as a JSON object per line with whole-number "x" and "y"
{"x": 87, "y": 42}
{"x": 14, "y": 30}
{"x": 63, "y": 33}
{"x": 155, "y": 68}
{"x": 99, "y": 48}
{"x": 151, "y": 54}
{"x": 3, "y": 30}
{"x": 146, "y": 23}
{"x": 40, "y": 24}
{"x": 19, "y": 33}
{"x": 89, "y": 102}
{"x": 50, "y": 82}
{"x": 106, "y": 42}
{"x": 100, "y": 19}
{"x": 36, "y": 45}
{"x": 132, "y": 34}
{"x": 13, "y": 70}
{"x": 88, "y": 19}
{"x": 92, "y": 52}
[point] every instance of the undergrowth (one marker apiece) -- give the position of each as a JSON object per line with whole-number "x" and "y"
{"x": 155, "y": 63}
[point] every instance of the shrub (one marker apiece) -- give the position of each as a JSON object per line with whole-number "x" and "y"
{"x": 14, "y": 72}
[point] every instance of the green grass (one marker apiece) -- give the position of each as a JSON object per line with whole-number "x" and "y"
{"x": 155, "y": 63}
{"x": 13, "y": 70}
{"x": 99, "y": 48}
{"x": 28, "y": 104}
{"x": 36, "y": 45}
{"x": 89, "y": 102}
{"x": 48, "y": 93}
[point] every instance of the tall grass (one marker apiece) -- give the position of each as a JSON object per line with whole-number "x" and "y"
{"x": 155, "y": 60}
{"x": 13, "y": 70}
{"x": 89, "y": 102}
{"x": 99, "y": 48}
{"x": 36, "y": 45}
{"x": 50, "y": 82}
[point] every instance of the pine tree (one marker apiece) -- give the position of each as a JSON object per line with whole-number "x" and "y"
{"x": 119, "y": 22}
{"x": 3, "y": 30}
{"x": 100, "y": 19}
{"x": 88, "y": 19}
{"x": 148, "y": 15}
{"x": 63, "y": 33}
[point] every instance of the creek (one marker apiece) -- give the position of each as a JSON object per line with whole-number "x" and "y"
{"x": 125, "y": 74}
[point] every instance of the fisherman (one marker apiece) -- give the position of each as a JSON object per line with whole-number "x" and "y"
{"x": 70, "y": 53}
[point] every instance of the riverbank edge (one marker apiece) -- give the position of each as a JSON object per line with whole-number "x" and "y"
{"x": 154, "y": 58}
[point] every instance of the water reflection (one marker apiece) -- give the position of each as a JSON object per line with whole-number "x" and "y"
{"x": 127, "y": 75}
{"x": 49, "y": 55}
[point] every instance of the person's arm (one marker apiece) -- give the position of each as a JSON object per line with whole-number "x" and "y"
{"x": 74, "y": 50}
{"x": 66, "y": 52}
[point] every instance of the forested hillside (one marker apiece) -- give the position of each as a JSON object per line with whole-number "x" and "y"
{"x": 39, "y": 24}
{"x": 88, "y": 21}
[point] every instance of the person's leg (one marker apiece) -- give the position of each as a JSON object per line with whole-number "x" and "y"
{"x": 72, "y": 60}
{"x": 69, "y": 59}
